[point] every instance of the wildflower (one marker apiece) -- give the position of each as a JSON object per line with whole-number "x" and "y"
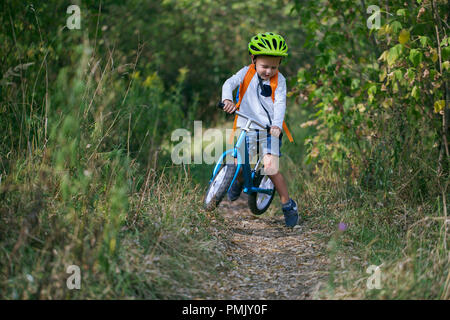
{"x": 342, "y": 226}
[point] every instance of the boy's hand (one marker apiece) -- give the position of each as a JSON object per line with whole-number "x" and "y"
{"x": 229, "y": 107}
{"x": 275, "y": 131}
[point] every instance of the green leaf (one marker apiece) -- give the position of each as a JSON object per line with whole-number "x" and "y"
{"x": 439, "y": 105}
{"x": 384, "y": 30}
{"x": 371, "y": 92}
{"x": 403, "y": 37}
{"x": 395, "y": 87}
{"x": 446, "y": 65}
{"x": 415, "y": 56}
{"x": 434, "y": 56}
{"x": 401, "y": 12}
{"x": 393, "y": 54}
{"x": 398, "y": 74}
{"x": 411, "y": 73}
{"x": 415, "y": 92}
{"x": 383, "y": 55}
{"x": 383, "y": 75}
{"x": 396, "y": 26}
{"x": 445, "y": 53}
{"x": 424, "y": 40}
{"x": 355, "y": 84}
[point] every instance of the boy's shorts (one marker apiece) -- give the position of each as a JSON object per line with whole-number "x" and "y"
{"x": 260, "y": 143}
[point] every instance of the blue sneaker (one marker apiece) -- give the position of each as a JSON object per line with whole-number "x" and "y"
{"x": 290, "y": 213}
{"x": 235, "y": 190}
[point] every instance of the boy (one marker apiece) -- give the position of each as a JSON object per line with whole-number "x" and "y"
{"x": 264, "y": 99}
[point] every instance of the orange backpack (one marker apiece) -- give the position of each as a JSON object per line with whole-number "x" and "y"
{"x": 243, "y": 87}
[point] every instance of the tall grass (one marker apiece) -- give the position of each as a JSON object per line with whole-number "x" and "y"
{"x": 394, "y": 211}
{"x": 89, "y": 192}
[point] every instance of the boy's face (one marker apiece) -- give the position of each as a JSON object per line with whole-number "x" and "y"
{"x": 267, "y": 66}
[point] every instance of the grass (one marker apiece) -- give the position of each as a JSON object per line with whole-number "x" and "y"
{"x": 398, "y": 225}
{"x": 97, "y": 194}
{"x": 160, "y": 249}
{"x": 407, "y": 241}
{"x": 140, "y": 232}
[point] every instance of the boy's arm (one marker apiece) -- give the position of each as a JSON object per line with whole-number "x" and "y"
{"x": 279, "y": 105}
{"x": 232, "y": 83}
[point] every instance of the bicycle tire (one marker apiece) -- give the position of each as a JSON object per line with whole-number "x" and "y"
{"x": 219, "y": 188}
{"x": 260, "y": 202}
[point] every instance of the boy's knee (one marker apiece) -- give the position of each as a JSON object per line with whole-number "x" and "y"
{"x": 271, "y": 164}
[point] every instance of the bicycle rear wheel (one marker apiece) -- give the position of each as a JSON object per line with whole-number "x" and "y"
{"x": 259, "y": 202}
{"x": 219, "y": 186}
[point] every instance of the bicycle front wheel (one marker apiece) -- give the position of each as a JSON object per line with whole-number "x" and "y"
{"x": 259, "y": 202}
{"x": 219, "y": 187}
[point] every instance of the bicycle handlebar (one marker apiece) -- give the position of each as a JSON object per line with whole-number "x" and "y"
{"x": 220, "y": 105}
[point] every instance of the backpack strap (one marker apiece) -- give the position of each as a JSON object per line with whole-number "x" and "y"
{"x": 245, "y": 83}
{"x": 274, "y": 84}
{"x": 243, "y": 88}
{"x": 288, "y": 133}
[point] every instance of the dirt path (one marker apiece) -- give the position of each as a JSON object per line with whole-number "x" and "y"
{"x": 269, "y": 260}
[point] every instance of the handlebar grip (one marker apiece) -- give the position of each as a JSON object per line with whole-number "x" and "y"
{"x": 268, "y": 131}
{"x": 221, "y": 105}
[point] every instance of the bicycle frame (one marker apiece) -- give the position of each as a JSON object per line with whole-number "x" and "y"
{"x": 248, "y": 173}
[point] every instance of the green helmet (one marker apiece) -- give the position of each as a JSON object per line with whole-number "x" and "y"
{"x": 268, "y": 43}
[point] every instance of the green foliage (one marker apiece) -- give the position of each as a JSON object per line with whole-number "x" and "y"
{"x": 86, "y": 116}
{"x": 377, "y": 101}
{"x": 365, "y": 98}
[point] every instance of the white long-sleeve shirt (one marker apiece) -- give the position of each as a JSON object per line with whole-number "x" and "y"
{"x": 250, "y": 104}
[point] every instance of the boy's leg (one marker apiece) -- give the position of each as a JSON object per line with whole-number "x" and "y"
{"x": 239, "y": 177}
{"x": 288, "y": 205}
{"x": 236, "y": 189}
{"x": 238, "y": 185}
{"x": 280, "y": 185}
{"x": 271, "y": 169}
